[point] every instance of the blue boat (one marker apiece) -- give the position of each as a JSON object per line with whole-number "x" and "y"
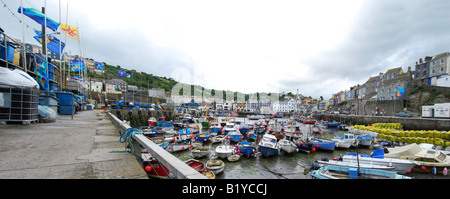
{"x": 235, "y": 136}
{"x": 303, "y": 144}
{"x": 245, "y": 148}
{"x": 165, "y": 124}
{"x": 322, "y": 144}
{"x": 215, "y": 128}
{"x": 268, "y": 145}
{"x": 252, "y": 136}
{"x": 185, "y": 134}
{"x": 332, "y": 124}
{"x": 364, "y": 140}
{"x": 204, "y": 137}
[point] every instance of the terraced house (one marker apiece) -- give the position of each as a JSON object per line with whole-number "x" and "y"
{"x": 439, "y": 68}
{"x": 392, "y": 80}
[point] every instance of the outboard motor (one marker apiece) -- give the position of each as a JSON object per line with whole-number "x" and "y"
{"x": 314, "y": 166}
{"x": 386, "y": 150}
{"x": 341, "y": 157}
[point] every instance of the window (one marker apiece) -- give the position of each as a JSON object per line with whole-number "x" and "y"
{"x": 432, "y": 71}
{"x": 442, "y": 69}
{"x": 442, "y": 61}
{"x": 433, "y": 63}
{"x": 424, "y": 73}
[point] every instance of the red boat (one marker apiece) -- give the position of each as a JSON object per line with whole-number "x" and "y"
{"x": 155, "y": 170}
{"x": 309, "y": 121}
{"x": 197, "y": 165}
{"x": 152, "y": 121}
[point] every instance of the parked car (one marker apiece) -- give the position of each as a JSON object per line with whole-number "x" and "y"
{"x": 345, "y": 112}
{"x": 402, "y": 114}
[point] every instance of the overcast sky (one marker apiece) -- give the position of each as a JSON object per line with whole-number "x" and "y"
{"x": 318, "y": 47}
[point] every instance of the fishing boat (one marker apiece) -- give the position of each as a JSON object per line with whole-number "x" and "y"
{"x": 428, "y": 160}
{"x": 260, "y": 129}
{"x": 377, "y": 158}
{"x": 333, "y": 124}
{"x": 152, "y": 167}
{"x": 287, "y": 145}
{"x": 343, "y": 172}
{"x": 245, "y": 148}
{"x": 185, "y": 134}
{"x": 315, "y": 129}
{"x": 200, "y": 151}
{"x": 364, "y": 140}
{"x": 324, "y": 144}
{"x": 196, "y": 165}
{"x": 187, "y": 118}
{"x": 165, "y": 124}
{"x": 215, "y": 128}
{"x": 152, "y": 121}
{"x": 224, "y": 121}
{"x": 309, "y": 121}
{"x": 252, "y": 136}
{"x": 224, "y": 150}
{"x": 243, "y": 128}
{"x": 217, "y": 166}
{"x": 178, "y": 146}
{"x": 228, "y": 127}
{"x": 235, "y": 135}
{"x": 268, "y": 145}
{"x": 203, "y": 137}
{"x": 150, "y": 132}
{"x": 345, "y": 141}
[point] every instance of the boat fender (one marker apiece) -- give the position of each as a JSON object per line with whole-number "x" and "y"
{"x": 325, "y": 159}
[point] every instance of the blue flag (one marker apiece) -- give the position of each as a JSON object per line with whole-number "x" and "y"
{"x": 41, "y": 72}
{"x": 99, "y": 65}
{"x": 37, "y": 16}
{"x": 53, "y": 43}
{"x": 77, "y": 65}
{"x": 121, "y": 73}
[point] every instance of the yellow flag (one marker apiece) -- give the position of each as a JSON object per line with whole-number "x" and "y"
{"x": 70, "y": 31}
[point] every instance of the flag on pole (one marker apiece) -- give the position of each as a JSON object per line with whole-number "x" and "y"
{"x": 121, "y": 73}
{"x": 53, "y": 43}
{"x": 99, "y": 65}
{"x": 38, "y": 17}
{"x": 70, "y": 31}
{"x": 77, "y": 65}
{"x": 129, "y": 75}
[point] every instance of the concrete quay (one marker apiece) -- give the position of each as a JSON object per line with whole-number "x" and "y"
{"x": 82, "y": 148}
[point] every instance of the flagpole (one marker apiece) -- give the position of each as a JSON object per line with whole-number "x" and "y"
{"x": 44, "y": 38}
{"x": 65, "y": 41}
{"x": 60, "y": 53}
{"x": 23, "y": 39}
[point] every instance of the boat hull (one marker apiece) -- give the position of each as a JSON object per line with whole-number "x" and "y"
{"x": 324, "y": 145}
{"x": 266, "y": 151}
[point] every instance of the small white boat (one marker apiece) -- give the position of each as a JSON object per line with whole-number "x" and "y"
{"x": 346, "y": 141}
{"x": 224, "y": 150}
{"x": 287, "y": 145}
{"x": 217, "y": 166}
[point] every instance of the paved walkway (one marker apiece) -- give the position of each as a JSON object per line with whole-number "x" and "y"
{"x": 66, "y": 149}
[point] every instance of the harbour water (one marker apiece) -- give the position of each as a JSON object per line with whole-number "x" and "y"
{"x": 285, "y": 166}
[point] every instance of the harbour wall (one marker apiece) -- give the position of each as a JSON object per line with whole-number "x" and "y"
{"x": 413, "y": 123}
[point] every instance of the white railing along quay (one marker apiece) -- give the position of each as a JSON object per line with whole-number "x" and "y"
{"x": 178, "y": 168}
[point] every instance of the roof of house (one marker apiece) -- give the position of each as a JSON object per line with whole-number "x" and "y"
{"x": 439, "y": 56}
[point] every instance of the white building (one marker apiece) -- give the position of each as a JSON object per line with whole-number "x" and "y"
{"x": 443, "y": 81}
{"x": 95, "y": 86}
{"x": 286, "y": 106}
